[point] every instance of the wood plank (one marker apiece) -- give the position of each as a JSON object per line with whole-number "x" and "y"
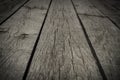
{"x": 85, "y": 7}
{"x": 17, "y": 38}
{"x": 105, "y": 38}
{"x": 63, "y": 52}
{"x": 8, "y": 7}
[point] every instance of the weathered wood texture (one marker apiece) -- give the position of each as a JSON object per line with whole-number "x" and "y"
{"x": 63, "y": 52}
{"x": 86, "y": 8}
{"x": 17, "y": 38}
{"x": 102, "y": 8}
{"x": 105, "y": 38}
{"x": 8, "y": 7}
{"x": 108, "y": 10}
{"x": 105, "y": 7}
{"x": 103, "y": 34}
{"x": 114, "y": 3}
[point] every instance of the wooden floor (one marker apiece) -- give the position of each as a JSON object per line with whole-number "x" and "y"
{"x": 60, "y": 40}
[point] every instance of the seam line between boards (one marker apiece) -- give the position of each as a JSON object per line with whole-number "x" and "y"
{"x": 107, "y": 16}
{"x": 4, "y": 20}
{"x": 35, "y": 45}
{"x": 90, "y": 45}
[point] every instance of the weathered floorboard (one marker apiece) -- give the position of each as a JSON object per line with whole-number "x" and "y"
{"x": 63, "y": 52}
{"x": 104, "y": 7}
{"x": 105, "y": 38}
{"x": 114, "y": 3}
{"x": 17, "y": 38}
{"x": 108, "y": 10}
{"x": 98, "y": 8}
{"x": 8, "y": 7}
{"x": 85, "y": 7}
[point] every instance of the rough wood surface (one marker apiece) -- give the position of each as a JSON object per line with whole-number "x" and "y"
{"x": 116, "y": 20}
{"x": 105, "y": 38}
{"x": 63, "y": 52}
{"x": 105, "y": 7}
{"x": 8, "y": 7}
{"x": 114, "y": 3}
{"x": 108, "y": 10}
{"x": 85, "y": 7}
{"x": 101, "y": 8}
{"x": 17, "y": 38}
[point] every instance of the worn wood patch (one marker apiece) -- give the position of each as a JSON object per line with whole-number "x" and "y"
{"x": 105, "y": 38}
{"x": 17, "y": 38}
{"x": 63, "y": 52}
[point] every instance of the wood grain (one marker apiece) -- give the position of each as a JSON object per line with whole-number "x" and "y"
{"x": 17, "y": 38}
{"x": 63, "y": 52}
{"x": 105, "y": 38}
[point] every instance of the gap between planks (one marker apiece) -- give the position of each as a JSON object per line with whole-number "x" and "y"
{"x": 36, "y": 43}
{"x": 106, "y": 12}
{"x": 90, "y": 45}
{"x": 41, "y": 56}
{"x": 104, "y": 36}
{"x": 101, "y": 17}
{"x": 4, "y": 20}
{"x": 17, "y": 37}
